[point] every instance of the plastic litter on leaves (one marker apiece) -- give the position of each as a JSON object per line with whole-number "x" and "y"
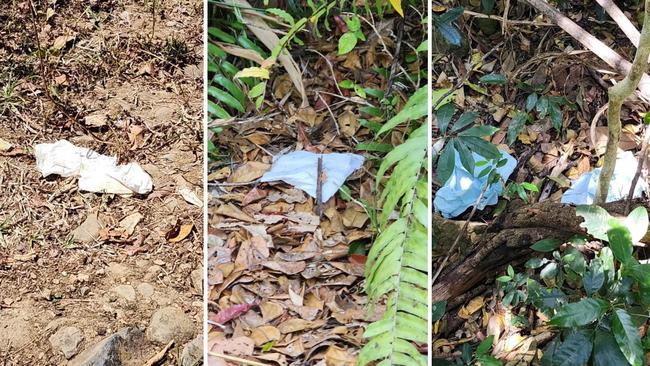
{"x": 97, "y": 173}
{"x": 583, "y": 189}
{"x": 299, "y": 168}
{"x": 462, "y": 189}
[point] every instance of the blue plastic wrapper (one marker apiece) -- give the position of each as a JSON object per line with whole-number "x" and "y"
{"x": 583, "y": 189}
{"x": 299, "y": 168}
{"x": 462, "y": 189}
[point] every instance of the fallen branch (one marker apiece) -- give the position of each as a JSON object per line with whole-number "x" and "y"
{"x": 160, "y": 355}
{"x": 621, "y": 20}
{"x": 242, "y": 361}
{"x": 592, "y": 43}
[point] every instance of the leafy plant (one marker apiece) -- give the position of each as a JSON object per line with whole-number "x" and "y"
{"x": 520, "y": 190}
{"x": 397, "y": 261}
{"x": 482, "y": 356}
{"x": 598, "y": 304}
{"x": 444, "y": 24}
{"x": 465, "y": 138}
{"x": 349, "y": 39}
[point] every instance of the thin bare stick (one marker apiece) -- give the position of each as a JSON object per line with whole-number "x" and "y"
{"x": 643, "y": 157}
{"x": 242, "y": 361}
{"x": 592, "y": 43}
{"x": 617, "y": 95}
{"x": 500, "y": 19}
{"x": 621, "y": 20}
{"x": 319, "y": 187}
{"x": 460, "y": 234}
{"x": 329, "y": 64}
{"x": 160, "y": 355}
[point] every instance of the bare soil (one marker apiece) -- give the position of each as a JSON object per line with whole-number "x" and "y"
{"x": 140, "y": 71}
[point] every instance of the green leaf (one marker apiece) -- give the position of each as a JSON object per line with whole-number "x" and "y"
{"x": 637, "y": 223}
{"x": 480, "y": 131}
{"x": 347, "y": 42}
{"x": 596, "y": 220}
{"x": 493, "y": 79}
{"x": 481, "y": 147}
{"x": 374, "y": 146}
{"x": 583, "y": 312}
{"x": 347, "y": 84}
{"x": 487, "y": 360}
{"x": 546, "y": 245}
{"x": 221, "y": 35}
{"x": 556, "y": 116}
{"x": 283, "y": 15}
{"x": 438, "y": 310}
{"x": 594, "y": 278}
{"x": 484, "y": 346}
{"x": 516, "y": 125}
{"x": 466, "y": 157}
{"x": 606, "y": 350}
{"x": 620, "y": 241}
{"x": 225, "y": 98}
{"x": 444, "y": 115}
{"x": 574, "y": 351}
{"x": 542, "y": 106}
{"x": 464, "y": 120}
{"x": 627, "y": 336}
{"x": 531, "y": 101}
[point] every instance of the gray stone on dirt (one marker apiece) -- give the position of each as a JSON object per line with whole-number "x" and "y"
{"x": 170, "y": 323}
{"x": 66, "y": 340}
{"x": 192, "y": 352}
{"x": 117, "y": 269}
{"x": 88, "y": 231}
{"x": 125, "y": 291}
{"x": 145, "y": 290}
{"x": 111, "y": 350}
{"x": 197, "y": 279}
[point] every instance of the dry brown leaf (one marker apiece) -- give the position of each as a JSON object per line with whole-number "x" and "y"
{"x": 271, "y": 310}
{"x": 183, "y": 232}
{"x": 240, "y": 52}
{"x": 96, "y": 120}
{"x": 130, "y": 222}
{"x": 219, "y": 174}
{"x": 296, "y": 325}
{"x": 348, "y": 123}
{"x": 289, "y": 268}
{"x": 61, "y": 41}
{"x": 336, "y": 356}
{"x": 230, "y": 210}
{"x": 249, "y": 172}
{"x": 473, "y": 306}
{"x": 264, "y": 334}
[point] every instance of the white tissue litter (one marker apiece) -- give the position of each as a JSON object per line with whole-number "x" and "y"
{"x": 96, "y": 172}
{"x": 299, "y": 168}
{"x": 462, "y": 189}
{"x": 583, "y": 189}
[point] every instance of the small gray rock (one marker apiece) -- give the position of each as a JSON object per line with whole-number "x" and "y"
{"x": 197, "y": 279}
{"x": 192, "y": 352}
{"x": 88, "y": 231}
{"x": 170, "y": 323}
{"x": 125, "y": 291}
{"x": 111, "y": 350}
{"x": 66, "y": 340}
{"x": 145, "y": 290}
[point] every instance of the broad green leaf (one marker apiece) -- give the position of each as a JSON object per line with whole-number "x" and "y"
{"x": 480, "y": 131}
{"x": 449, "y": 33}
{"x": 257, "y": 90}
{"x": 516, "y": 125}
{"x": 346, "y": 84}
{"x": 620, "y": 241}
{"x": 283, "y": 15}
{"x": 627, "y": 336}
{"x": 347, "y": 42}
{"x": 546, "y": 245}
{"x": 466, "y": 157}
{"x": 225, "y": 98}
{"x": 583, "y": 312}
{"x": 574, "y": 351}
{"x": 438, "y": 310}
{"x": 374, "y": 146}
{"x": 594, "y": 278}
{"x": 637, "y": 223}
{"x": 556, "y": 116}
{"x": 446, "y": 163}
{"x": 596, "y": 220}
{"x": 498, "y": 79}
{"x": 606, "y": 350}
{"x": 451, "y": 15}
{"x": 542, "y": 106}
{"x": 531, "y": 101}
{"x": 444, "y": 115}
{"x": 481, "y": 147}
{"x": 485, "y": 345}
{"x": 221, "y": 35}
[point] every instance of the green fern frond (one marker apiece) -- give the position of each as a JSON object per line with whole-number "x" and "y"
{"x": 398, "y": 259}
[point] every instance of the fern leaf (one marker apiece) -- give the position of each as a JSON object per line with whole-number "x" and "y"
{"x": 397, "y": 261}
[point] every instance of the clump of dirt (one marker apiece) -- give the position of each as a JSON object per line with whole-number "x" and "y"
{"x": 125, "y": 80}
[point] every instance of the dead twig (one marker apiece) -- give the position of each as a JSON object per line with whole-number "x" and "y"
{"x": 242, "y": 361}
{"x": 160, "y": 355}
{"x": 642, "y": 157}
{"x": 319, "y": 187}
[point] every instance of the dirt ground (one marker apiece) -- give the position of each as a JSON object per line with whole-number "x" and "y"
{"x": 125, "y": 81}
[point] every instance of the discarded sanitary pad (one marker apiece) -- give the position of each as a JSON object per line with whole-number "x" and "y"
{"x": 583, "y": 189}
{"x": 462, "y": 189}
{"x": 299, "y": 168}
{"x": 96, "y": 172}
